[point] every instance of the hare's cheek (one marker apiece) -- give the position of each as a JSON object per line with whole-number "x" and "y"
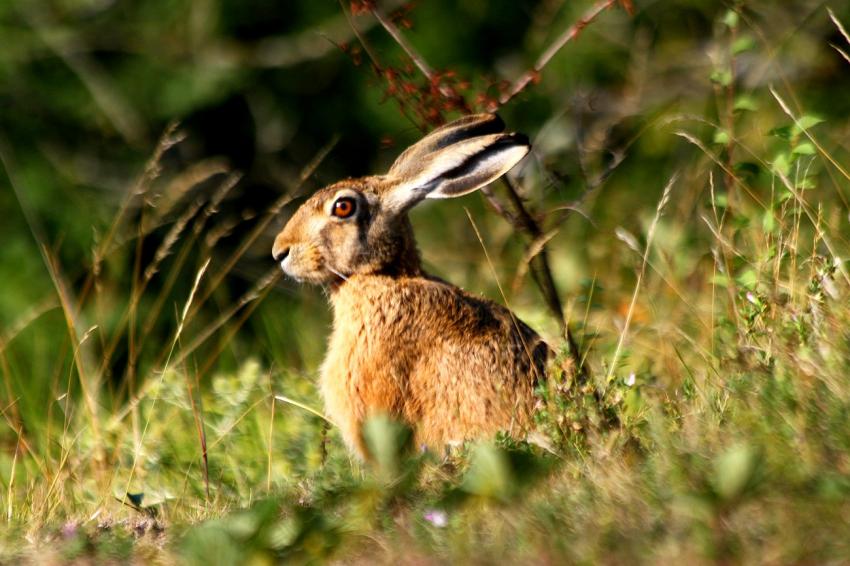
{"x": 313, "y": 259}
{"x": 303, "y": 262}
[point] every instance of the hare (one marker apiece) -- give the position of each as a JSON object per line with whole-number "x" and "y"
{"x": 404, "y": 343}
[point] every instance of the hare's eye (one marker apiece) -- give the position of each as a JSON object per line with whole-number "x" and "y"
{"x": 344, "y": 207}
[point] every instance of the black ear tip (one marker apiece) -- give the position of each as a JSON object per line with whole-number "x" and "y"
{"x": 514, "y": 139}
{"x": 496, "y": 122}
{"x": 483, "y": 124}
{"x": 521, "y": 139}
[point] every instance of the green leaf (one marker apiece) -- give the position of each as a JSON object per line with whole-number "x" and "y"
{"x": 781, "y": 164}
{"x": 731, "y": 19}
{"x": 723, "y": 78}
{"x": 734, "y": 471}
{"x": 721, "y": 137}
{"x": 804, "y": 148}
{"x": 633, "y": 403}
{"x": 748, "y": 279}
{"x": 743, "y": 44}
{"x": 807, "y": 184}
{"x": 768, "y": 221}
{"x": 386, "y": 442}
{"x": 745, "y": 103}
{"x": 807, "y": 121}
{"x": 489, "y": 473}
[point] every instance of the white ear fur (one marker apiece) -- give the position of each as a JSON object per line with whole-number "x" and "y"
{"x": 455, "y": 169}
{"x": 410, "y": 161}
{"x": 480, "y": 169}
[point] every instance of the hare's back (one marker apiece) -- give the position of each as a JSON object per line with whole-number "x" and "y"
{"x": 479, "y": 372}
{"x": 432, "y": 325}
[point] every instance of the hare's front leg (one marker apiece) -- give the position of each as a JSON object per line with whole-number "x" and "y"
{"x": 353, "y": 393}
{"x": 346, "y": 411}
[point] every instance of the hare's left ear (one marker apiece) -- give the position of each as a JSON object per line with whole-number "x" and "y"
{"x": 455, "y": 160}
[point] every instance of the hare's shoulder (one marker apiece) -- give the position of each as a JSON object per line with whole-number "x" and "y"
{"x": 426, "y": 304}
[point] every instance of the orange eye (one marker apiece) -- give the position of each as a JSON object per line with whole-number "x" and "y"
{"x": 344, "y": 207}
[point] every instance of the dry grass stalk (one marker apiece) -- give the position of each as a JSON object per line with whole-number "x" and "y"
{"x": 665, "y": 198}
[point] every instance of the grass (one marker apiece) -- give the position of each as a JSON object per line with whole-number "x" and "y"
{"x": 153, "y": 411}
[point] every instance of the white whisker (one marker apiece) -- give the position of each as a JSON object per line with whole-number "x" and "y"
{"x": 337, "y": 273}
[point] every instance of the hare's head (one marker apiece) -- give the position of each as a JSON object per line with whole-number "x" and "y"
{"x": 360, "y": 225}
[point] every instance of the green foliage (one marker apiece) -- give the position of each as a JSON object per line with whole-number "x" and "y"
{"x": 158, "y": 399}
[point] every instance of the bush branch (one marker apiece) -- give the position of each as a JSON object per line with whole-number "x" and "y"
{"x": 568, "y": 35}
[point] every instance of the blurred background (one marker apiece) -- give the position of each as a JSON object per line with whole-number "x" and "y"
{"x": 151, "y": 151}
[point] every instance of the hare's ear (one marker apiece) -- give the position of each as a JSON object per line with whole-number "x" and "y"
{"x": 409, "y": 162}
{"x": 455, "y": 160}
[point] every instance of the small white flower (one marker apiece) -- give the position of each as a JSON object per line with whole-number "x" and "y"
{"x": 752, "y": 298}
{"x": 436, "y": 517}
{"x": 631, "y": 379}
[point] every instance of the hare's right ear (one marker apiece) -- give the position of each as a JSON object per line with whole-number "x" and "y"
{"x": 454, "y": 160}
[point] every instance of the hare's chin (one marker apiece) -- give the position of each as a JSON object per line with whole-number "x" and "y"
{"x": 314, "y": 277}
{"x": 286, "y": 267}
{"x": 287, "y": 270}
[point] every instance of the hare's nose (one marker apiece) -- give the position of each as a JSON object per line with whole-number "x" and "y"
{"x": 279, "y": 253}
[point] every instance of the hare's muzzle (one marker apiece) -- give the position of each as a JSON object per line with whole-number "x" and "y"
{"x": 280, "y": 252}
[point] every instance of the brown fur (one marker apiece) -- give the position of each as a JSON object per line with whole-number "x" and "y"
{"x": 452, "y": 365}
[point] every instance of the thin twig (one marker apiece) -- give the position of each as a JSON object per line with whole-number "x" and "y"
{"x": 376, "y": 63}
{"x": 497, "y": 205}
{"x": 541, "y": 271}
{"x": 307, "y": 408}
{"x": 417, "y": 59}
{"x": 298, "y": 48}
{"x": 396, "y": 34}
{"x": 568, "y": 35}
{"x": 534, "y": 248}
{"x": 841, "y": 52}
{"x": 839, "y": 25}
{"x": 540, "y": 264}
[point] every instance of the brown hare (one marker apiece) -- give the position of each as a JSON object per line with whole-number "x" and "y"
{"x": 451, "y": 365}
